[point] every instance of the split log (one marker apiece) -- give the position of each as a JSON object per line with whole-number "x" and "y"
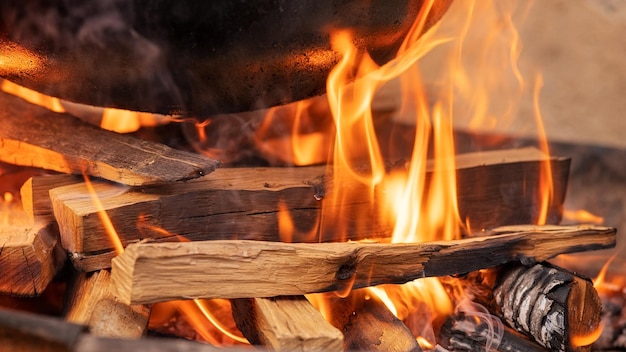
{"x": 250, "y": 204}
{"x": 555, "y": 307}
{"x": 35, "y": 194}
{"x": 90, "y": 302}
{"x": 34, "y": 136}
{"x": 367, "y": 324}
{"x": 468, "y": 333}
{"x": 285, "y": 324}
{"x": 30, "y": 257}
{"x": 153, "y": 272}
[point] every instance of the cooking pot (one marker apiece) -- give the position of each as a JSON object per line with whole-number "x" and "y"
{"x": 195, "y": 58}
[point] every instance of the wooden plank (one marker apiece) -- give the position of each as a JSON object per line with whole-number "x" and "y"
{"x": 285, "y": 324}
{"x": 153, "y": 272}
{"x": 29, "y": 138}
{"x": 30, "y": 257}
{"x": 91, "y": 303}
{"x": 245, "y": 203}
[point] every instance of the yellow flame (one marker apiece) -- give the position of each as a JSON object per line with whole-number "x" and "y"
{"x": 583, "y": 216}
{"x": 104, "y": 217}
{"x": 587, "y": 339}
{"x": 546, "y": 185}
{"x": 210, "y": 317}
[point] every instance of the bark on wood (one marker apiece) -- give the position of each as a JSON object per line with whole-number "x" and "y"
{"x": 285, "y": 324}
{"x": 90, "y": 302}
{"x": 550, "y": 304}
{"x": 29, "y": 138}
{"x": 245, "y": 203}
{"x": 367, "y": 323}
{"x": 30, "y": 257}
{"x": 35, "y": 194}
{"x": 152, "y": 272}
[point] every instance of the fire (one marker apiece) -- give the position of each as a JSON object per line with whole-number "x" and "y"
{"x": 117, "y": 120}
{"x": 419, "y": 208}
{"x": 104, "y": 217}
{"x": 582, "y": 216}
{"x": 32, "y": 96}
{"x": 546, "y": 185}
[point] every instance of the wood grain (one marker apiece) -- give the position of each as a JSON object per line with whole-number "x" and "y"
{"x": 153, "y": 272}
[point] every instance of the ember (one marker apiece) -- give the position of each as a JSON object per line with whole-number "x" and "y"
{"x": 401, "y": 211}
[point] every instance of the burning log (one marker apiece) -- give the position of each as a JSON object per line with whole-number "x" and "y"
{"x": 91, "y": 303}
{"x": 270, "y": 322}
{"x": 250, "y": 198}
{"x": 30, "y": 257}
{"x": 148, "y": 272}
{"x": 367, "y": 324}
{"x": 72, "y": 146}
{"x": 35, "y": 194}
{"x": 557, "y": 308}
{"x": 468, "y": 333}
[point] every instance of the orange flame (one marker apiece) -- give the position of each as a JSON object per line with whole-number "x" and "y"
{"x": 32, "y": 96}
{"x": 582, "y": 216}
{"x": 104, "y": 217}
{"x": 587, "y": 339}
{"x": 546, "y": 185}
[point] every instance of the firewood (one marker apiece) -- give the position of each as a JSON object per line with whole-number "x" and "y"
{"x": 35, "y": 194}
{"x": 152, "y": 272}
{"x": 91, "y": 303}
{"x": 285, "y": 324}
{"x": 70, "y": 145}
{"x": 21, "y": 331}
{"x": 367, "y": 324}
{"x": 547, "y": 303}
{"x": 30, "y": 332}
{"x": 30, "y": 257}
{"x": 249, "y": 199}
{"x": 231, "y": 202}
{"x": 613, "y": 336}
{"x": 468, "y": 333}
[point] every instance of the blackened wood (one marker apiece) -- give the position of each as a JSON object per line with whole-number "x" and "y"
{"x": 92, "y": 343}
{"x": 34, "y": 136}
{"x": 463, "y": 332}
{"x": 30, "y": 257}
{"x": 549, "y": 304}
{"x": 285, "y": 324}
{"x": 31, "y": 332}
{"x": 148, "y": 272}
